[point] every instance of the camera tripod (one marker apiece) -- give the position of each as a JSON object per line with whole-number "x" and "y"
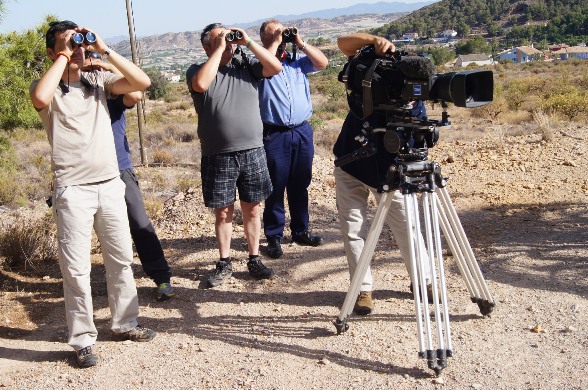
{"x": 412, "y": 178}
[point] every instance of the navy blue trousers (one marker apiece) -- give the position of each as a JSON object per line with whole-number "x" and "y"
{"x": 289, "y": 156}
{"x": 143, "y": 233}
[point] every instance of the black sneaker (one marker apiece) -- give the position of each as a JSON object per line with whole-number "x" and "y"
{"x": 86, "y": 357}
{"x": 138, "y": 333}
{"x": 258, "y": 270}
{"x": 274, "y": 248}
{"x": 222, "y": 273}
{"x": 306, "y": 238}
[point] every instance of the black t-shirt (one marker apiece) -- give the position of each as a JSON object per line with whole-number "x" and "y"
{"x": 370, "y": 170}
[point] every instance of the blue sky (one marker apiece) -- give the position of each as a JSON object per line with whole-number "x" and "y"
{"x": 109, "y": 17}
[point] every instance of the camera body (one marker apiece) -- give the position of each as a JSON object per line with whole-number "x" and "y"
{"x": 83, "y": 38}
{"x": 233, "y": 35}
{"x": 289, "y": 35}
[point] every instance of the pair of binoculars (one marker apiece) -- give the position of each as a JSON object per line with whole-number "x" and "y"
{"x": 289, "y": 34}
{"x": 87, "y": 38}
{"x": 233, "y": 35}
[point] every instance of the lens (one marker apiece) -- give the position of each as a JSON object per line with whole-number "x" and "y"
{"x": 91, "y": 54}
{"x": 90, "y": 37}
{"x": 233, "y": 35}
{"x": 77, "y": 38}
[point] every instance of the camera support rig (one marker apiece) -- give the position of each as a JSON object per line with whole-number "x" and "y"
{"x": 412, "y": 178}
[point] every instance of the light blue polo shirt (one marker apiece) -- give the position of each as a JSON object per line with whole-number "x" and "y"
{"x": 284, "y": 100}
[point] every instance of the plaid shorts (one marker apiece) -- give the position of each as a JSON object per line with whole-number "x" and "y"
{"x": 223, "y": 174}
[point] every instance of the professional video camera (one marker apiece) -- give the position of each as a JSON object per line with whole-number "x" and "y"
{"x": 390, "y": 87}
{"x": 388, "y": 83}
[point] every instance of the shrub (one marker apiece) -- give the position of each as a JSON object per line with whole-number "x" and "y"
{"x": 162, "y": 157}
{"x": 570, "y": 104}
{"x": 159, "y": 87}
{"x": 29, "y": 244}
{"x": 10, "y": 191}
{"x": 185, "y": 183}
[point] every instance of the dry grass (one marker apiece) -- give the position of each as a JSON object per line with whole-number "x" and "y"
{"x": 29, "y": 244}
{"x": 543, "y": 125}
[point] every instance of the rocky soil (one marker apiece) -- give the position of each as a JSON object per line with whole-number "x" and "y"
{"x": 522, "y": 202}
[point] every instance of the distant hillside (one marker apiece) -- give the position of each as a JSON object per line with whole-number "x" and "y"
{"x": 309, "y": 27}
{"x": 548, "y": 19}
{"x": 357, "y": 9}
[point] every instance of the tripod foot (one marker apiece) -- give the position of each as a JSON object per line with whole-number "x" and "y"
{"x": 486, "y": 307}
{"x": 341, "y": 325}
{"x": 437, "y": 359}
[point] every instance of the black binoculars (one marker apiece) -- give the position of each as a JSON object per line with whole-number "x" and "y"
{"x": 87, "y": 38}
{"x": 289, "y": 34}
{"x": 233, "y": 35}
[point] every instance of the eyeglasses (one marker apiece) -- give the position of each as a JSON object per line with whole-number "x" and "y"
{"x": 93, "y": 55}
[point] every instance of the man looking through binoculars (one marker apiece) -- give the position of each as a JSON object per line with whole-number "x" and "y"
{"x": 224, "y": 91}
{"x": 87, "y": 189}
{"x": 285, "y": 106}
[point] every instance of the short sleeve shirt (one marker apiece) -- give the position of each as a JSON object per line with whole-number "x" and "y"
{"x": 79, "y": 131}
{"x": 117, "y": 108}
{"x": 284, "y": 100}
{"x": 228, "y": 112}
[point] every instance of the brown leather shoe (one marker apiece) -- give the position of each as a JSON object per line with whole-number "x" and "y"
{"x": 429, "y": 292}
{"x": 364, "y": 303}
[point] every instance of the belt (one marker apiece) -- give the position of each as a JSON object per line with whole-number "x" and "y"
{"x": 270, "y": 127}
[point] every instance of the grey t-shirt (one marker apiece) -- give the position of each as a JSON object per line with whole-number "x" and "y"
{"x": 228, "y": 112}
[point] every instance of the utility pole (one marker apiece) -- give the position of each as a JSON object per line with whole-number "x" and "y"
{"x": 140, "y": 102}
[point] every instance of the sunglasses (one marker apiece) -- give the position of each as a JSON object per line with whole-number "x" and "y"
{"x": 93, "y": 55}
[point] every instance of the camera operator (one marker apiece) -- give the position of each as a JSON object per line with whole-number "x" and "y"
{"x": 87, "y": 189}
{"x": 142, "y": 231}
{"x": 224, "y": 91}
{"x": 357, "y": 179}
{"x": 288, "y": 137}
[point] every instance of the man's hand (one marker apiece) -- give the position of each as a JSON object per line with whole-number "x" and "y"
{"x": 383, "y": 46}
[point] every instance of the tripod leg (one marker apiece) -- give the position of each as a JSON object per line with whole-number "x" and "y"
{"x": 364, "y": 261}
{"x": 416, "y": 274}
{"x": 466, "y": 261}
{"x": 437, "y": 359}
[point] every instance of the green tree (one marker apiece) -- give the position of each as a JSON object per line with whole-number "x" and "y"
{"x": 441, "y": 55}
{"x": 474, "y": 45}
{"x": 22, "y": 59}
{"x": 159, "y": 85}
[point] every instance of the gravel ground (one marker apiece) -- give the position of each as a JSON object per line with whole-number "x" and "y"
{"x": 522, "y": 202}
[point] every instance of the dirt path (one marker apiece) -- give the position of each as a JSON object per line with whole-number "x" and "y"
{"x": 523, "y": 206}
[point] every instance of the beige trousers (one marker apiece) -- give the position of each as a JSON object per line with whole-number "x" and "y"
{"x": 352, "y": 206}
{"x": 77, "y": 209}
